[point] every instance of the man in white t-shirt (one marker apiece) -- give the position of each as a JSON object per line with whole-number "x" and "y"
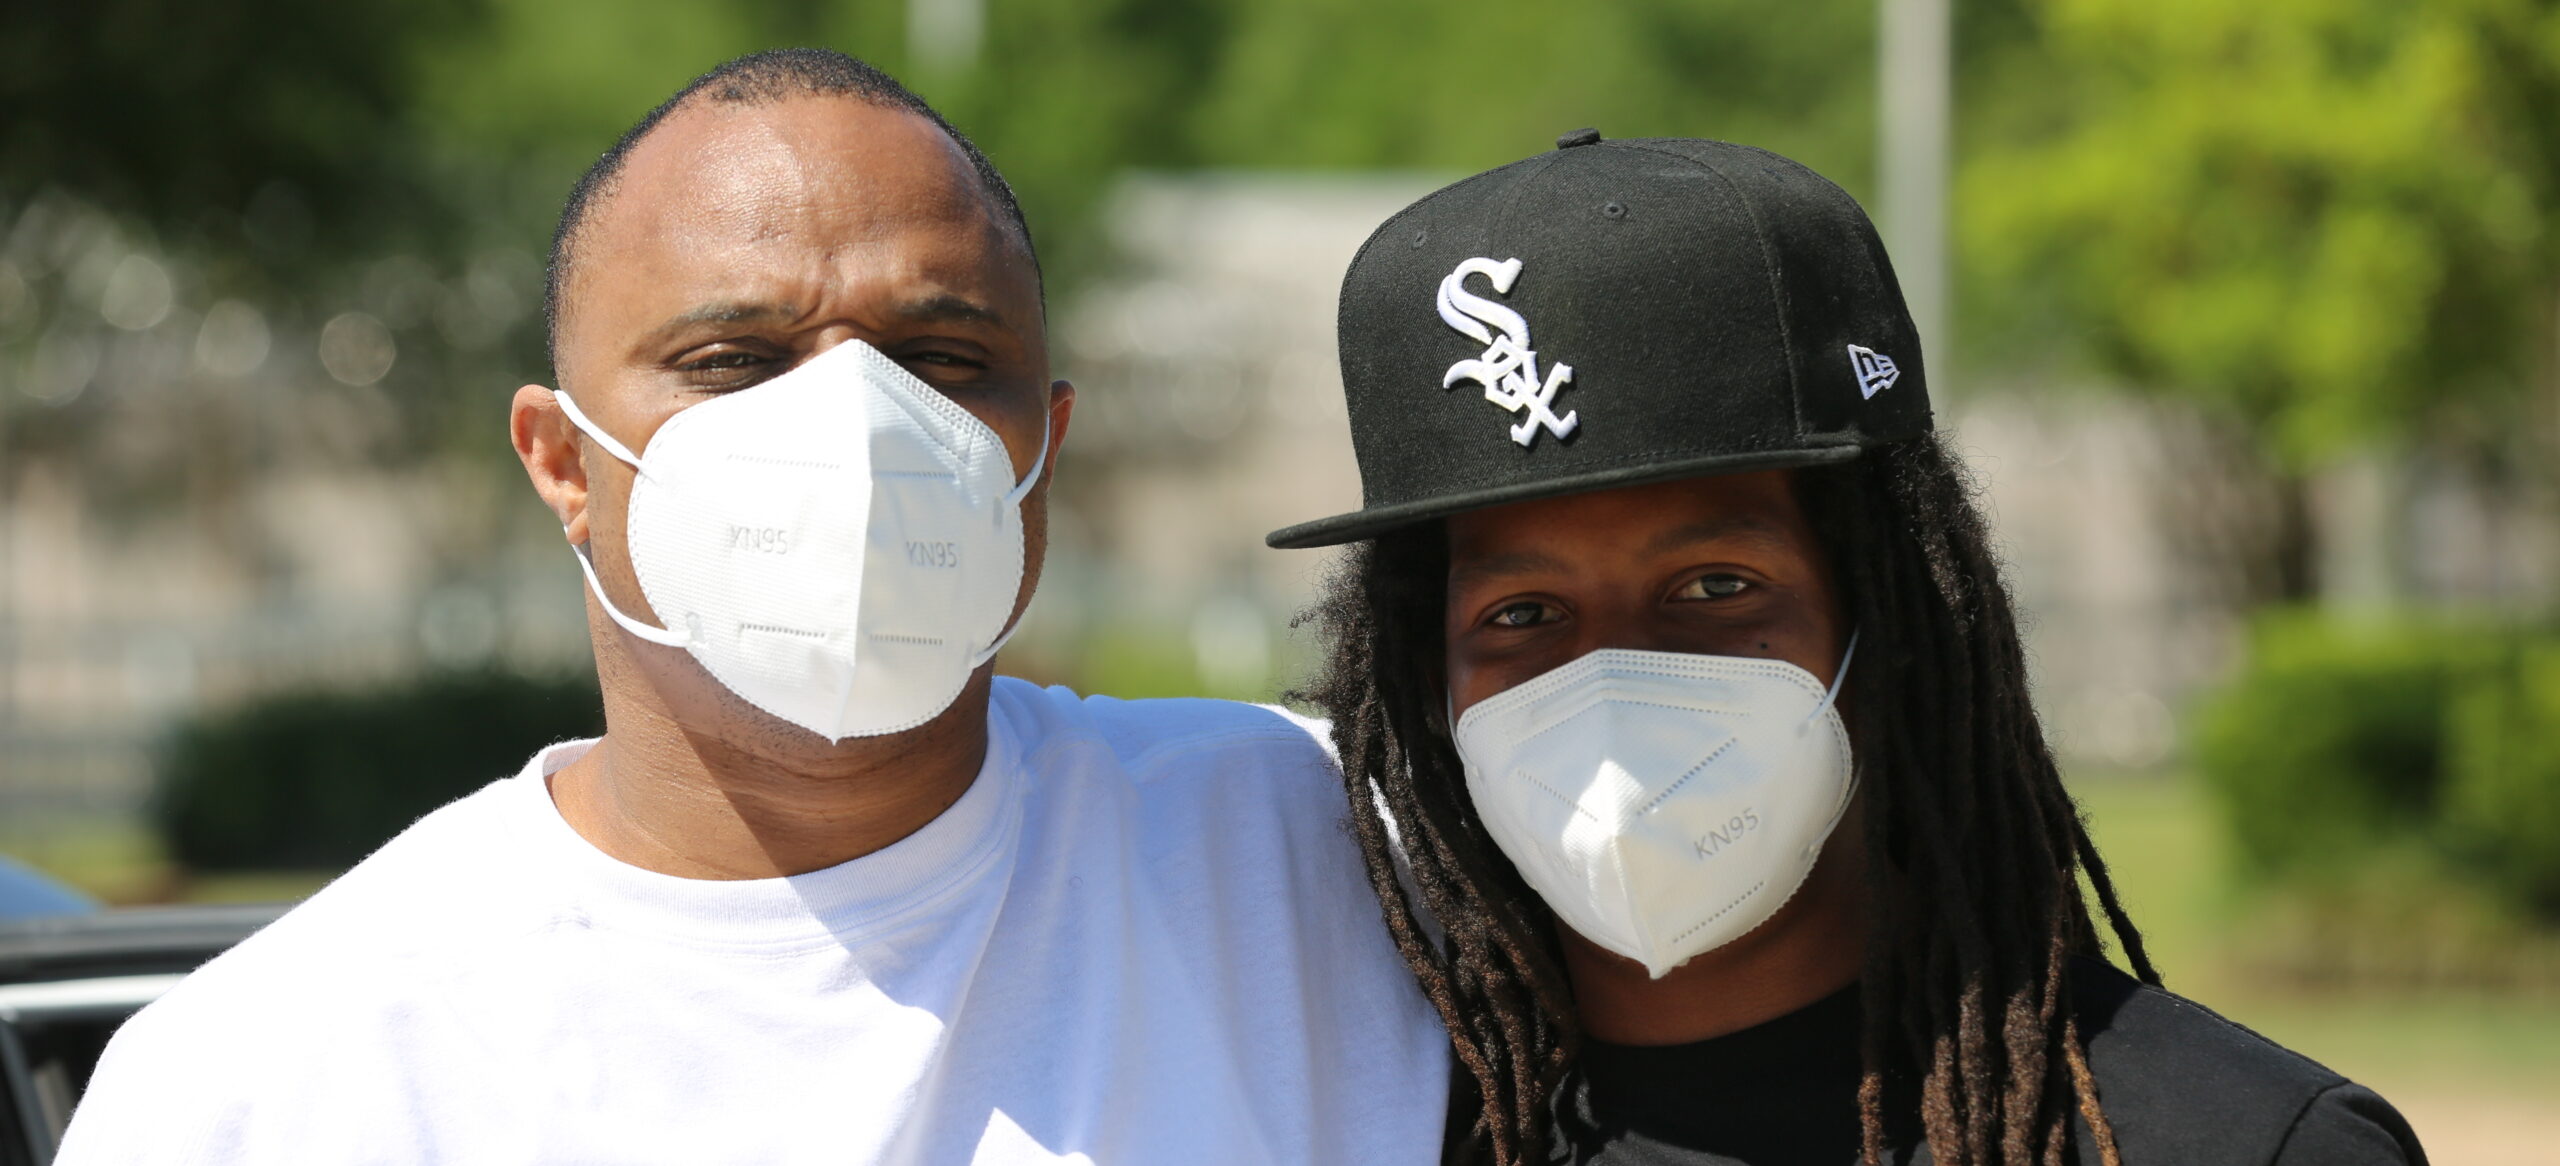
{"x": 826, "y": 891}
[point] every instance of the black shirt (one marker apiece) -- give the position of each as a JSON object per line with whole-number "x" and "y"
{"x": 2180, "y": 1085}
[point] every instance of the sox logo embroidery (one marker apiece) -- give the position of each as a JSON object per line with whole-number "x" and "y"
{"x": 1508, "y": 370}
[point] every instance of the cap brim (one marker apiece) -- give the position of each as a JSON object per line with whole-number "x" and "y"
{"x": 1369, "y": 523}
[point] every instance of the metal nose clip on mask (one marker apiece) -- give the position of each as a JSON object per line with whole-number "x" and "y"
{"x": 1662, "y": 804}
{"x": 841, "y": 546}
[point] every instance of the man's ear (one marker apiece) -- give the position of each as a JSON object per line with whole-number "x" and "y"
{"x": 547, "y": 444}
{"x": 1062, "y": 405}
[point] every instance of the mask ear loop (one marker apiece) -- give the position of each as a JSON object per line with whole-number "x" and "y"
{"x": 586, "y": 558}
{"x": 1828, "y": 700}
{"x": 1837, "y": 679}
{"x": 654, "y": 635}
{"x": 1022, "y": 489}
{"x": 1014, "y": 497}
{"x": 570, "y": 409}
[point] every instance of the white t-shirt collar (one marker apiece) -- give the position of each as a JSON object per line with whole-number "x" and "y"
{"x": 840, "y": 902}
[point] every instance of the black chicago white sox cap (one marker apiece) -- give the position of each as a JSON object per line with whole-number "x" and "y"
{"x": 1613, "y": 313}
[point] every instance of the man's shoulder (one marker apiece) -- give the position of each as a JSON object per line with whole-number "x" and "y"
{"x": 1184, "y": 768}
{"x": 440, "y": 873}
{"x": 435, "y": 888}
{"x": 2160, "y": 1033}
{"x": 319, "y": 987}
{"x": 1168, "y": 738}
{"x": 2180, "y": 1082}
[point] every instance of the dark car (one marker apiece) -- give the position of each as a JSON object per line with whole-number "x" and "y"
{"x": 67, "y": 981}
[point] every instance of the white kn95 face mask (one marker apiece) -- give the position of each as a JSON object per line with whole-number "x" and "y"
{"x": 1662, "y": 804}
{"x": 841, "y": 546}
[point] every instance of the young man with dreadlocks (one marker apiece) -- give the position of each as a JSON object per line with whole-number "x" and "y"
{"x": 1686, "y": 725}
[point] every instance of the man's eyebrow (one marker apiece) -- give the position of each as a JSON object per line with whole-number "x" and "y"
{"x": 1475, "y": 572}
{"x": 1745, "y": 528}
{"x": 725, "y": 312}
{"x": 946, "y": 307}
{"x": 943, "y": 307}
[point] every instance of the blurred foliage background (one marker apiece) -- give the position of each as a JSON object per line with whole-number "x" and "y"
{"x": 2257, "y": 347}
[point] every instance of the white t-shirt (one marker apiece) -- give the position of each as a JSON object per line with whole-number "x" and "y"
{"x": 1141, "y": 936}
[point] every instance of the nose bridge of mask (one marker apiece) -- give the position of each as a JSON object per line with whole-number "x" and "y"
{"x": 1726, "y": 689}
{"x": 936, "y": 417}
{"x": 1678, "y": 674}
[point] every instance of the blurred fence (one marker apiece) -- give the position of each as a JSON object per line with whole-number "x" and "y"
{"x": 87, "y": 702}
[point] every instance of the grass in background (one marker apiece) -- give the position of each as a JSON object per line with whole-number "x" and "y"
{"x": 119, "y": 863}
{"x": 2168, "y": 857}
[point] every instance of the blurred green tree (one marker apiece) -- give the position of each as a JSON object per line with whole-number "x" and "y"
{"x": 1066, "y": 94}
{"x": 401, "y": 163}
{"x": 271, "y": 133}
{"x": 273, "y": 129}
{"x": 2329, "y": 222}
{"x": 2503, "y": 777}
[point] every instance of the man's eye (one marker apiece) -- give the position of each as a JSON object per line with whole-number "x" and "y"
{"x": 1526, "y": 613}
{"x": 723, "y": 361}
{"x": 1714, "y": 587}
{"x": 947, "y": 366}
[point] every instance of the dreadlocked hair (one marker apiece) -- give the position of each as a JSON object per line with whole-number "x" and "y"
{"x": 1975, "y": 852}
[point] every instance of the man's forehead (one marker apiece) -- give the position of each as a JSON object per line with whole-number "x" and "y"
{"x": 1758, "y": 503}
{"x": 781, "y": 203}
{"x": 802, "y": 163}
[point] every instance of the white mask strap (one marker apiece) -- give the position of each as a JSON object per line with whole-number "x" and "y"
{"x": 979, "y": 660}
{"x": 586, "y": 562}
{"x": 569, "y": 409}
{"x": 1020, "y": 491}
{"x": 665, "y": 636}
{"x": 1837, "y": 679}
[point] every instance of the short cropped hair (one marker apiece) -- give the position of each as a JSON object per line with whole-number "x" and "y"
{"x": 759, "y": 79}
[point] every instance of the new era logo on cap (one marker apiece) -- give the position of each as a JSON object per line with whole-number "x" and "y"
{"x": 1876, "y": 371}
